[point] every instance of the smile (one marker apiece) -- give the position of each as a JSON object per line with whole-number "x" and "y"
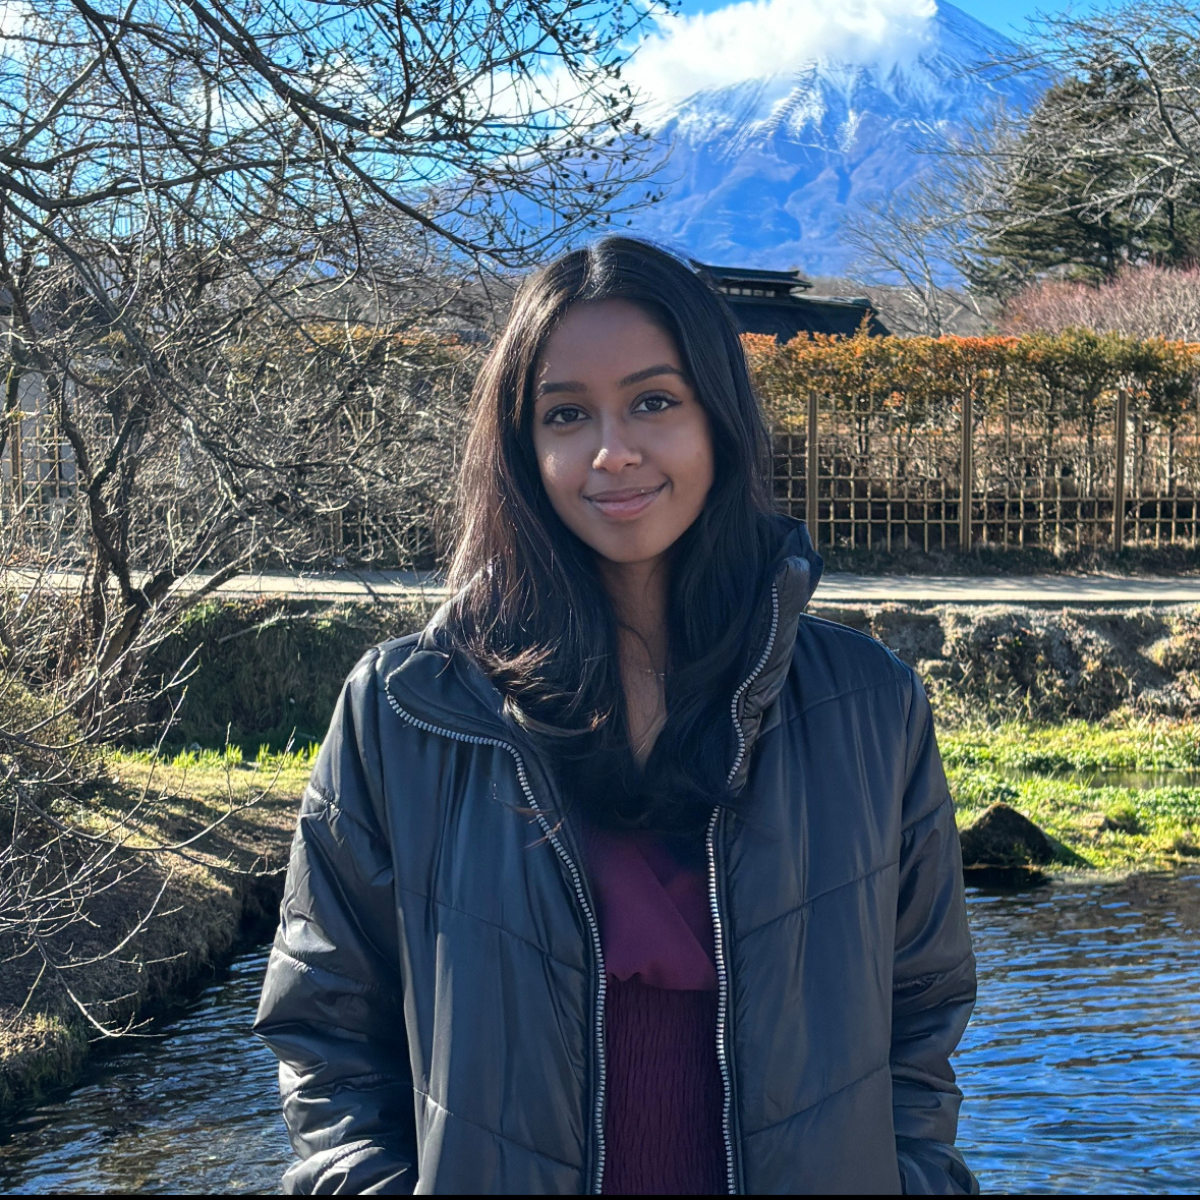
{"x": 626, "y": 503}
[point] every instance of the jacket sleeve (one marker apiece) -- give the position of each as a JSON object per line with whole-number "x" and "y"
{"x": 332, "y": 1005}
{"x": 934, "y": 976}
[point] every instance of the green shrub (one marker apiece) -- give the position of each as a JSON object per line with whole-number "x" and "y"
{"x": 266, "y": 670}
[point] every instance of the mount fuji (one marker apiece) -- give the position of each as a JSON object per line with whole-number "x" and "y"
{"x": 761, "y": 172}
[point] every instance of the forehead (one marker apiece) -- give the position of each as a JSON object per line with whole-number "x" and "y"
{"x": 602, "y": 340}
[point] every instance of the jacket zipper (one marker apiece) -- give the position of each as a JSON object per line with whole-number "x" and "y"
{"x": 724, "y": 1053}
{"x": 581, "y": 895}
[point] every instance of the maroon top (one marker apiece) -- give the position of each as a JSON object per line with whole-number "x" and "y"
{"x": 664, "y": 1099}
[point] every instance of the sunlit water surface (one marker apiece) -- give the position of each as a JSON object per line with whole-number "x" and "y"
{"x": 1081, "y": 1068}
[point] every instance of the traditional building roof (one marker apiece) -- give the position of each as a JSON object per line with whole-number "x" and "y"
{"x": 774, "y": 303}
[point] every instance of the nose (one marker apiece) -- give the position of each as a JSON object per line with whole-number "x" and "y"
{"x": 615, "y": 451}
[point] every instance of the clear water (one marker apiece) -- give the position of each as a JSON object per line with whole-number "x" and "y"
{"x": 191, "y": 1111}
{"x": 1081, "y": 1068}
{"x": 1081, "y": 1065}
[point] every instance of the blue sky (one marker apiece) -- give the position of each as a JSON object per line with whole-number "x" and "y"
{"x": 1008, "y": 16}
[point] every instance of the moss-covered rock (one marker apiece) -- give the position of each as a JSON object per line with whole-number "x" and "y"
{"x": 1003, "y": 837}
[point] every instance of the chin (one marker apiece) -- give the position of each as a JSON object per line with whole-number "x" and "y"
{"x": 630, "y": 553}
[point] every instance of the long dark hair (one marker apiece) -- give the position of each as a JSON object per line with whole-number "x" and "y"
{"x": 530, "y": 607}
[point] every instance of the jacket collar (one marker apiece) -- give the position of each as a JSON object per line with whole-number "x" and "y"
{"x": 444, "y": 688}
{"x": 797, "y": 572}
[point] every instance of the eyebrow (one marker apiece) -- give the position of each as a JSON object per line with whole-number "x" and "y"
{"x": 547, "y": 389}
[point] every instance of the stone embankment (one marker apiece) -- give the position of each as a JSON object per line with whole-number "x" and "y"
{"x": 1005, "y": 661}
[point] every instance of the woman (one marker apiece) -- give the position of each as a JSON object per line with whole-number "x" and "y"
{"x": 625, "y": 875}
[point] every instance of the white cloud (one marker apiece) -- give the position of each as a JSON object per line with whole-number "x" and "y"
{"x": 758, "y": 38}
{"x": 14, "y": 17}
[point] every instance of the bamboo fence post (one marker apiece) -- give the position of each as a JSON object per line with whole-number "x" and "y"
{"x": 337, "y": 535}
{"x": 1119, "y": 481}
{"x": 811, "y": 509}
{"x": 965, "y": 475}
{"x": 16, "y": 433}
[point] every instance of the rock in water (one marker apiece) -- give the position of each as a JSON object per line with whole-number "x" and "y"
{"x": 1002, "y": 837}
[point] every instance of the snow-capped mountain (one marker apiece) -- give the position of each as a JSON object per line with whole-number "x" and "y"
{"x": 760, "y": 173}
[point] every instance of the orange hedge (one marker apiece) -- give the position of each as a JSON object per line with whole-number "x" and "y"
{"x": 1071, "y": 373}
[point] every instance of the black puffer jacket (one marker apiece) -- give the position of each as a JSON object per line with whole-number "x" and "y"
{"x": 436, "y": 990}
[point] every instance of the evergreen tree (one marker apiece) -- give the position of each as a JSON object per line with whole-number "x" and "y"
{"x": 1105, "y": 171}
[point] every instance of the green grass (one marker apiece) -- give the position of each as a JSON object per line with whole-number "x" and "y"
{"x": 1106, "y": 827}
{"x": 1126, "y": 745}
{"x": 144, "y": 800}
{"x": 201, "y": 786}
{"x": 229, "y": 758}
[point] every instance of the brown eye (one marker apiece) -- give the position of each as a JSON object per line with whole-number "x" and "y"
{"x": 656, "y": 403}
{"x": 565, "y": 414}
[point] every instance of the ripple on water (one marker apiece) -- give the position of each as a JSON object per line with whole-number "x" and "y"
{"x": 1081, "y": 1068}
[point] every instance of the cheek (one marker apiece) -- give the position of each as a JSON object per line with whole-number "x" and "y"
{"x": 705, "y": 470}
{"x": 560, "y": 471}
{"x": 692, "y": 468}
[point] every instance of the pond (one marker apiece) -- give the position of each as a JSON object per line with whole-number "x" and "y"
{"x": 1081, "y": 1065}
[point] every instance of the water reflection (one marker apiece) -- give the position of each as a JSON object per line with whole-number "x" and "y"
{"x": 1081, "y": 1066}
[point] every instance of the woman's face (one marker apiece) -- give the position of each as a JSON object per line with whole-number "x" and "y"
{"x": 622, "y": 443}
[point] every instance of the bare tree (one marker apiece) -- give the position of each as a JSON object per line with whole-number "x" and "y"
{"x": 193, "y": 194}
{"x": 247, "y": 248}
{"x": 81, "y": 883}
{"x": 492, "y": 127}
{"x": 913, "y": 245}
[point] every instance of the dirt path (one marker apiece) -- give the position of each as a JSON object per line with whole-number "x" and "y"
{"x": 836, "y": 587}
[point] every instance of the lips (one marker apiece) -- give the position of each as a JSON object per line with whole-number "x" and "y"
{"x": 625, "y": 503}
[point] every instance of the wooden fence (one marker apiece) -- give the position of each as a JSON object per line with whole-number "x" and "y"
{"x": 1120, "y": 476}
{"x": 38, "y": 494}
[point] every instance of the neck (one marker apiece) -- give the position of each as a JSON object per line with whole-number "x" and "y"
{"x": 638, "y": 593}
